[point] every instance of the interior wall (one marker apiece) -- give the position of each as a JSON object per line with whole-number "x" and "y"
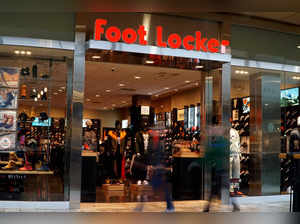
{"x": 107, "y": 118}
{"x": 186, "y": 98}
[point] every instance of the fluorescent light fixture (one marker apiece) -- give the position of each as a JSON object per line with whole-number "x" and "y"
{"x": 96, "y": 57}
{"x": 149, "y": 62}
{"x": 199, "y": 66}
{"x": 137, "y": 77}
{"x": 296, "y": 77}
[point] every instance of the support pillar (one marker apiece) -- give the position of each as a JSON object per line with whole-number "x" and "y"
{"x": 264, "y": 134}
{"x": 75, "y": 100}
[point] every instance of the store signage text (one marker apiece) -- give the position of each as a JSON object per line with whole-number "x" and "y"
{"x": 174, "y": 40}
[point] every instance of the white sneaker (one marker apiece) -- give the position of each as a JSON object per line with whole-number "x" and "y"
{"x": 139, "y": 182}
{"x": 145, "y": 182}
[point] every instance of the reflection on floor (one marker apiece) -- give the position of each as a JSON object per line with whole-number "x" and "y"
{"x": 247, "y": 204}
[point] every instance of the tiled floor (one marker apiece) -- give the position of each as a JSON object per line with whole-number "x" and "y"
{"x": 247, "y": 204}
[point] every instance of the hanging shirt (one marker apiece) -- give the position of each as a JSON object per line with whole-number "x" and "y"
{"x": 146, "y": 141}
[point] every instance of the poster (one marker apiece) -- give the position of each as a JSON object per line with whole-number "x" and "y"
{"x": 7, "y": 141}
{"x": 9, "y": 77}
{"x": 180, "y": 115}
{"x": 8, "y": 98}
{"x": 8, "y": 120}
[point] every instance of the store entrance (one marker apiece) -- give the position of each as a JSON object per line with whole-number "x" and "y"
{"x": 143, "y": 126}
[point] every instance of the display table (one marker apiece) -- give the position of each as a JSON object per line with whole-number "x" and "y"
{"x": 113, "y": 187}
{"x": 136, "y": 187}
{"x": 27, "y": 172}
{"x": 88, "y": 176}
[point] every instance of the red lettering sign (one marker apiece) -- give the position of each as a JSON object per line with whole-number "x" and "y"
{"x": 174, "y": 40}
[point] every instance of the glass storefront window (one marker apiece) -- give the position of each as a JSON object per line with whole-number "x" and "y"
{"x": 32, "y": 114}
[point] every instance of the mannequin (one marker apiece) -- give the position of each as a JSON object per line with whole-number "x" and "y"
{"x": 117, "y": 144}
{"x": 143, "y": 152}
{"x": 90, "y": 137}
{"x": 234, "y": 172}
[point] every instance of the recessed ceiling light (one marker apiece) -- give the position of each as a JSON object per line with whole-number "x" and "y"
{"x": 166, "y": 88}
{"x": 17, "y": 52}
{"x": 23, "y": 52}
{"x": 137, "y": 77}
{"x": 197, "y": 83}
{"x": 28, "y": 52}
{"x": 198, "y": 66}
{"x": 96, "y": 57}
{"x": 108, "y": 90}
{"x": 296, "y": 77}
{"x": 121, "y": 84}
{"x": 149, "y": 62}
{"x": 187, "y": 81}
{"x": 97, "y": 95}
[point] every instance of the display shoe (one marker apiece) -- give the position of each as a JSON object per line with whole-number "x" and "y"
{"x": 10, "y": 166}
{"x": 23, "y": 72}
{"x": 139, "y": 182}
{"x": 145, "y": 182}
{"x": 107, "y": 181}
{"x": 45, "y": 76}
{"x": 44, "y": 167}
{"x": 23, "y": 91}
{"x": 27, "y": 71}
{"x": 33, "y": 94}
{"x": 27, "y": 167}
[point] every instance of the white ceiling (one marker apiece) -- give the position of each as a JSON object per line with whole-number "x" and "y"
{"x": 103, "y": 76}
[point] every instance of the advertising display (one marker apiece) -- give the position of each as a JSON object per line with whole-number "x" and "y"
{"x": 289, "y": 97}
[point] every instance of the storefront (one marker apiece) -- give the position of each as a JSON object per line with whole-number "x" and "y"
{"x": 64, "y": 103}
